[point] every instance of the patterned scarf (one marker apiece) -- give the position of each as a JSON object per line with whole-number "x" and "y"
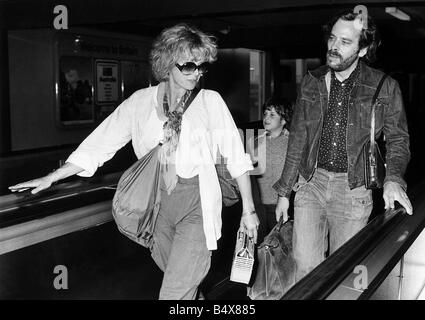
{"x": 172, "y": 128}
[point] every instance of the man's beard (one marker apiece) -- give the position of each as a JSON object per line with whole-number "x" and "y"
{"x": 344, "y": 64}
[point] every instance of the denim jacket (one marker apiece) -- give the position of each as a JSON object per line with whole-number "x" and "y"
{"x": 307, "y": 124}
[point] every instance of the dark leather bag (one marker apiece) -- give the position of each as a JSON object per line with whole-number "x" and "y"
{"x": 276, "y": 266}
{"x": 229, "y": 187}
{"x": 374, "y": 163}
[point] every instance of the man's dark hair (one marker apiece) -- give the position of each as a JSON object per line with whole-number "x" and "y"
{"x": 369, "y": 38}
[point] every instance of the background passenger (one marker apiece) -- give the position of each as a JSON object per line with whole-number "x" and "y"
{"x": 274, "y": 141}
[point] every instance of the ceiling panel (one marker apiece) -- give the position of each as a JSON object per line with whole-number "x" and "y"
{"x": 265, "y": 24}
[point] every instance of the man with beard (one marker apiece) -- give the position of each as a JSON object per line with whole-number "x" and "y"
{"x": 331, "y": 123}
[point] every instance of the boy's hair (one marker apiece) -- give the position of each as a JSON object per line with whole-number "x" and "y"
{"x": 282, "y": 107}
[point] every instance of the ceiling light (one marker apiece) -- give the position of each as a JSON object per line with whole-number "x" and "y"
{"x": 395, "y": 12}
{"x": 225, "y": 31}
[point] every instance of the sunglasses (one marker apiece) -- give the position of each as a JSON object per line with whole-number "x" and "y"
{"x": 190, "y": 67}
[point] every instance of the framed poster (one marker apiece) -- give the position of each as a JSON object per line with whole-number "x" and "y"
{"x": 76, "y": 90}
{"x": 107, "y": 84}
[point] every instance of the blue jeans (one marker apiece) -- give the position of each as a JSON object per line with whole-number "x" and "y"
{"x": 326, "y": 207}
{"x": 179, "y": 246}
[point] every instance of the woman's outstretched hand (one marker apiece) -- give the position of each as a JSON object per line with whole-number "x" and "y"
{"x": 37, "y": 185}
{"x": 67, "y": 170}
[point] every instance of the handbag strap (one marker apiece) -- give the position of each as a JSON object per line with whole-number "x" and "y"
{"x": 185, "y": 104}
{"x": 279, "y": 224}
{"x": 192, "y": 96}
{"x": 372, "y": 121}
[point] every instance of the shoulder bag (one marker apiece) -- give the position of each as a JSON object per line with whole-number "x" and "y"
{"x": 374, "y": 165}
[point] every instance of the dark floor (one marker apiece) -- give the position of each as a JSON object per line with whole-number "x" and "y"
{"x": 103, "y": 264}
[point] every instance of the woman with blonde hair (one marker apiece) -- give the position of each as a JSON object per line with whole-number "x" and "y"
{"x": 189, "y": 221}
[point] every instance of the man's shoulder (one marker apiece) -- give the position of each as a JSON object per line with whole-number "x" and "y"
{"x": 372, "y": 73}
{"x": 372, "y": 76}
{"x": 318, "y": 72}
{"x": 313, "y": 76}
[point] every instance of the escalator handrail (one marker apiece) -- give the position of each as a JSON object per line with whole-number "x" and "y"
{"x": 321, "y": 281}
{"x": 57, "y": 192}
{"x": 407, "y": 229}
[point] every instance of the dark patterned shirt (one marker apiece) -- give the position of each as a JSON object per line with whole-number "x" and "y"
{"x": 333, "y": 148}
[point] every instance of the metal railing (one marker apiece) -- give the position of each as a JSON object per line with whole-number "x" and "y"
{"x": 20, "y": 207}
{"x": 378, "y": 247}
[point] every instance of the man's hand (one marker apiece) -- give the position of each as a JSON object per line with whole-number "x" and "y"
{"x": 394, "y": 192}
{"x": 251, "y": 222}
{"x": 282, "y": 208}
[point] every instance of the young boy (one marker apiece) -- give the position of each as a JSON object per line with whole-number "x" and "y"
{"x": 269, "y": 163}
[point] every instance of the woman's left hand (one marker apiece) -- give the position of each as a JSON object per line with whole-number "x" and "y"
{"x": 251, "y": 222}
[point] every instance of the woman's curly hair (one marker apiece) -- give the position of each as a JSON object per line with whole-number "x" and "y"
{"x": 179, "y": 41}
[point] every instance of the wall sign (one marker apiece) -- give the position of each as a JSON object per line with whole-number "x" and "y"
{"x": 107, "y": 85}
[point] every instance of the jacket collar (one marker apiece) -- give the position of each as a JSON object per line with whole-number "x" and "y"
{"x": 367, "y": 76}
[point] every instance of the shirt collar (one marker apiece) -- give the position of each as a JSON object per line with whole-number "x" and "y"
{"x": 284, "y": 132}
{"x": 350, "y": 80}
